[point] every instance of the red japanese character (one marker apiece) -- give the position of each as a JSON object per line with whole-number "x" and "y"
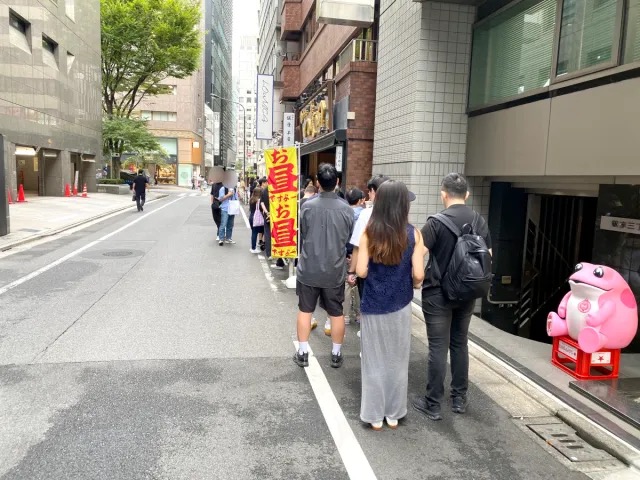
{"x": 282, "y": 179}
{"x": 280, "y": 156}
{"x": 283, "y": 211}
{"x": 284, "y": 233}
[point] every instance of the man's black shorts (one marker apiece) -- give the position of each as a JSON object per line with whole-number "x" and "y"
{"x": 331, "y": 299}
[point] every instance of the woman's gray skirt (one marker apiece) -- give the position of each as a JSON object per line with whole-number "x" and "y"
{"x": 385, "y": 344}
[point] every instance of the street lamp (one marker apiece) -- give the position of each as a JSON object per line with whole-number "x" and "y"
{"x": 244, "y": 134}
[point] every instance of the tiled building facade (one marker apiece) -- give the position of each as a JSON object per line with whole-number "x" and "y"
{"x": 421, "y": 120}
{"x": 50, "y": 87}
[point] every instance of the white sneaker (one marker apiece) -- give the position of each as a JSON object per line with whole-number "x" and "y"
{"x": 230, "y": 242}
{"x": 217, "y": 239}
{"x": 254, "y": 251}
{"x": 314, "y": 323}
{"x": 377, "y": 426}
{"x": 392, "y": 423}
{"x": 327, "y": 328}
{"x": 358, "y": 333}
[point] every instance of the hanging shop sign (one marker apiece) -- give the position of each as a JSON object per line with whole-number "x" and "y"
{"x": 356, "y": 13}
{"x": 264, "y": 108}
{"x": 282, "y": 174}
{"x": 622, "y": 225}
{"x": 288, "y": 128}
{"x": 315, "y": 119}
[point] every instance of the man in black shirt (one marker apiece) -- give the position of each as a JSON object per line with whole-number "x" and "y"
{"x": 447, "y": 322}
{"x": 139, "y": 186}
{"x": 215, "y": 206}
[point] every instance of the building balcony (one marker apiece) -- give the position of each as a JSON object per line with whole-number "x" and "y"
{"x": 290, "y": 77}
{"x": 291, "y": 20}
{"x": 358, "y": 50}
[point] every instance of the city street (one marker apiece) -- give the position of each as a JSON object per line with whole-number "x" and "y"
{"x": 137, "y": 348}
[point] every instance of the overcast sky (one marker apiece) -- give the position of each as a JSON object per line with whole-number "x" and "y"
{"x": 245, "y": 22}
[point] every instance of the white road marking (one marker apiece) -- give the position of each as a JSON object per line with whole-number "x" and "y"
{"x": 244, "y": 215}
{"x": 353, "y": 458}
{"x": 61, "y": 260}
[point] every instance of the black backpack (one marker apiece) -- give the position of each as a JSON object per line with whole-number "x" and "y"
{"x": 468, "y": 274}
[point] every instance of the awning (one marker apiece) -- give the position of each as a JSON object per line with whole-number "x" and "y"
{"x": 88, "y": 158}
{"x": 324, "y": 143}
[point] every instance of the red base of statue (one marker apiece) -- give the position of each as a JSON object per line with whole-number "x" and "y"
{"x": 601, "y": 365}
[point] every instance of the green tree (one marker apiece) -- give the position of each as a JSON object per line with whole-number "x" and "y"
{"x": 121, "y": 134}
{"x": 143, "y": 43}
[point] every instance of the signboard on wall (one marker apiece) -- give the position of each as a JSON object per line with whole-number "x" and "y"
{"x": 288, "y": 129}
{"x": 264, "y": 107}
{"x": 356, "y": 13}
{"x": 216, "y": 133}
{"x": 619, "y": 224}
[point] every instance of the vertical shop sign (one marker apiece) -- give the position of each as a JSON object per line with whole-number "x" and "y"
{"x": 288, "y": 127}
{"x": 264, "y": 107}
{"x": 216, "y": 133}
{"x": 282, "y": 174}
{"x": 339, "y": 158}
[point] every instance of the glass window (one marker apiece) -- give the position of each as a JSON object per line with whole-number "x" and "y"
{"x": 70, "y": 9}
{"x": 632, "y": 35}
{"x": 512, "y": 52}
{"x": 587, "y": 33}
{"x": 19, "y": 32}
{"x": 49, "y": 52}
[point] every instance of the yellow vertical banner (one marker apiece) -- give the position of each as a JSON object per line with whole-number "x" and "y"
{"x": 282, "y": 175}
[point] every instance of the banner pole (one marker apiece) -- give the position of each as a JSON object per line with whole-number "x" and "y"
{"x": 291, "y": 281}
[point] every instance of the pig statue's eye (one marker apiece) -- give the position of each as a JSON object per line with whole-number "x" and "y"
{"x": 578, "y": 267}
{"x": 599, "y": 272}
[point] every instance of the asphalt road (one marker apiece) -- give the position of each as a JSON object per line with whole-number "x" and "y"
{"x": 153, "y": 353}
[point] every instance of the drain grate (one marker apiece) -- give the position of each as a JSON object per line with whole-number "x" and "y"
{"x": 118, "y": 253}
{"x": 564, "y": 439}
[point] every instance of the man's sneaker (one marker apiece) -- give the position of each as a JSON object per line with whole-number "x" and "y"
{"x": 336, "y": 360}
{"x": 217, "y": 238}
{"x": 301, "y": 359}
{"x": 459, "y": 404}
{"x": 376, "y": 426}
{"x": 251, "y": 250}
{"x": 327, "y": 328}
{"x": 221, "y": 243}
{"x": 420, "y": 404}
{"x": 358, "y": 334}
{"x": 314, "y": 323}
{"x": 230, "y": 241}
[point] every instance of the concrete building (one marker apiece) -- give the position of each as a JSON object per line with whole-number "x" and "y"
{"x": 537, "y": 102}
{"x": 271, "y": 52}
{"x": 50, "y": 87}
{"x": 218, "y": 39}
{"x": 328, "y": 75}
{"x": 246, "y": 92}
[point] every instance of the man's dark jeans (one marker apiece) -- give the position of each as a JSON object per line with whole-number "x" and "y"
{"x": 140, "y": 199}
{"x": 217, "y": 217}
{"x": 447, "y": 329}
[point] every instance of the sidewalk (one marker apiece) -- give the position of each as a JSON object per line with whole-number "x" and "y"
{"x": 44, "y": 216}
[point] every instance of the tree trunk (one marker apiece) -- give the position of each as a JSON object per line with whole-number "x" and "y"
{"x": 117, "y": 166}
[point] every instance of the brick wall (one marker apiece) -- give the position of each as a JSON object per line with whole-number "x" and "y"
{"x": 358, "y": 82}
{"x": 291, "y": 17}
{"x": 290, "y": 76}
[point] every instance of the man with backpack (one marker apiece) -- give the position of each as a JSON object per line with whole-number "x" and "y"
{"x": 457, "y": 274}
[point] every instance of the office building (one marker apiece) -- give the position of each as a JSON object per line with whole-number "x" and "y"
{"x": 50, "y": 94}
{"x": 218, "y": 40}
{"x": 537, "y": 102}
{"x": 246, "y": 92}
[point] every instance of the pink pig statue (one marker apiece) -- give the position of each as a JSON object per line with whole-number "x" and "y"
{"x": 600, "y": 311}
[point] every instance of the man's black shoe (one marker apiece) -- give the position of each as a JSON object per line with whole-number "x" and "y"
{"x": 420, "y": 404}
{"x": 336, "y": 360}
{"x": 301, "y": 359}
{"x": 459, "y": 404}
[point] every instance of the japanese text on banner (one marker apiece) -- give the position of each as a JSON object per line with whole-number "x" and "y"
{"x": 282, "y": 173}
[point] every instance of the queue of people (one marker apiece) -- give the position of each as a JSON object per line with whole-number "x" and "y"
{"x": 386, "y": 265}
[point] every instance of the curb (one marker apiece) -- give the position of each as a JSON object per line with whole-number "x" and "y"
{"x": 608, "y": 441}
{"x": 51, "y": 233}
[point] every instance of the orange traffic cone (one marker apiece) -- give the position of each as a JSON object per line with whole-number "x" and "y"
{"x": 9, "y": 199}
{"x": 67, "y": 190}
{"x": 75, "y": 190}
{"x": 84, "y": 191}
{"x": 21, "y": 198}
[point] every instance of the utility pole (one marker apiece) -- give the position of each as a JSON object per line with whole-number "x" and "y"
{"x": 244, "y": 138}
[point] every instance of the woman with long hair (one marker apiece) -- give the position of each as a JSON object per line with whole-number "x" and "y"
{"x": 256, "y": 220}
{"x": 391, "y": 260}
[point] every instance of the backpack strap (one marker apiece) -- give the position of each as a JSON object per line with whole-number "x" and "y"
{"x": 447, "y": 222}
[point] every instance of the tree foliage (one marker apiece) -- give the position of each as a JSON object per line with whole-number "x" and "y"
{"x": 120, "y": 134}
{"x": 143, "y": 43}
